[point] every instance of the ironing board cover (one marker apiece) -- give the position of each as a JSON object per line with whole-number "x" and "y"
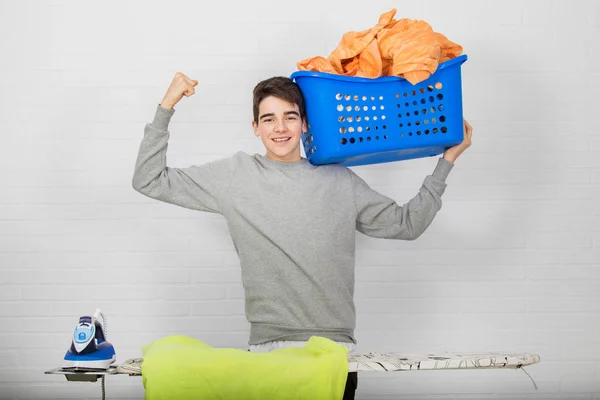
{"x": 387, "y": 362}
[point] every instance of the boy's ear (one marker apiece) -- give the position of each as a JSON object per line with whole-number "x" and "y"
{"x": 255, "y": 127}
{"x": 304, "y": 126}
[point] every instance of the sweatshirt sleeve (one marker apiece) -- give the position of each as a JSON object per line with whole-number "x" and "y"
{"x": 200, "y": 187}
{"x": 379, "y": 216}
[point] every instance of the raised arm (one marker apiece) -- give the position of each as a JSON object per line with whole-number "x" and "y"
{"x": 202, "y": 187}
{"x": 379, "y": 216}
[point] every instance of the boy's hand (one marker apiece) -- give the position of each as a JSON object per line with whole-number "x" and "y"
{"x": 181, "y": 85}
{"x": 452, "y": 153}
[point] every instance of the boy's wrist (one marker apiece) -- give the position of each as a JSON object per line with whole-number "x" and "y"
{"x": 166, "y": 105}
{"x": 449, "y": 158}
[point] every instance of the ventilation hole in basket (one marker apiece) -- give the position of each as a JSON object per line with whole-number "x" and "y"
{"x": 402, "y": 135}
{"x": 435, "y": 130}
{"x": 342, "y": 130}
{"x": 400, "y": 115}
{"x": 364, "y": 98}
{"x": 444, "y": 129}
{"x": 380, "y": 97}
{"x": 348, "y": 108}
{"x": 440, "y": 96}
{"x": 409, "y": 124}
{"x": 419, "y": 133}
{"x": 384, "y": 126}
{"x": 367, "y": 128}
{"x": 424, "y": 111}
{"x": 341, "y": 119}
{"x": 405, "y": 94}
{"x": 365, "y": 108}
{"x": 360, "y": 139}
{"x": 406, "y": 104}
{"x": 418, "y": 123}
{"x": 376, "y": 127}
{"x": 385, "y": 136}
{"x": 374, "y": 117}
{"x": 426, "y": 121}
{"x": 368, "y": 138}
{"x": 347, "y": 97}
{"x": 422, "y": 90}
{"x": 415, "y": 103}
{"x": 397, "y": 95}
{"x": 423, "y": 101}
{"x": 350, "y": 119}
{"x": 344, "y": 141}
{"x": 358, "y": 118}
{"x": 373, "y": 108}
{"x": 383, "y": 117}
{"x": 416, "y": 113}
{"x": 438, "y": 85}
{"x": 427, "y": 131}
{"x": 372, "y": 98}
{"x": 401, "y": 125}
{"x": 430, "y": 88}
{"x": 340, "y": 107}
{"x": 359, "y": 129}
{"x": 314, "y": 149}
{"x": 338, "y": 96}
{"x": 433, "y": 120}
{"x": 409, "y": 133}
{"x": 414, "y": 92}
{"x": 352, "y": 140}
{"x": 407, "y": 114}
{"x": 351, "y": 129}
{"x": 442, "y": 118}
{"x": 355, "y": 97}
{"x": 441, "y": 107}
{"x": 381, "y": 107}
{"x": 376, "y": 137}
{"x": 397, "y": 105}
{"x": 356, "y": 108}
{"x": 431, "y": 99}
{"x": 432, "y": 109}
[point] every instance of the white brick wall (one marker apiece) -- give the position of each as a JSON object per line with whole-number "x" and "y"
{"x": 512, "y": 262}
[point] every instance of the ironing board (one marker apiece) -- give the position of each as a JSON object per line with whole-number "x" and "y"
{"x": 374, "y": 362}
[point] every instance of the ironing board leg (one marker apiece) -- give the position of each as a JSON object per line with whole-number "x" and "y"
{"x": 351, "y": 385}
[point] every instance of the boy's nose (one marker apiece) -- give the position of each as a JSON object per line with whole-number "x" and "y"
{"x": 279, "y": 126}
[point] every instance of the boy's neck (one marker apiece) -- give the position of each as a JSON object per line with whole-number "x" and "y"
{"x": 296, "y": 158}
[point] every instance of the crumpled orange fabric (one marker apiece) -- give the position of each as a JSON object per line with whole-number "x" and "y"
{"x": 406, "y": 48}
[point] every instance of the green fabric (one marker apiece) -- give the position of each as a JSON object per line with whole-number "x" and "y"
{"x": 180, "y": 367}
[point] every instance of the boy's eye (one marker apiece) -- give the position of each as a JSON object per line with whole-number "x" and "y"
{"x": 268, "y": 120}
{"x": 291, "y": 117}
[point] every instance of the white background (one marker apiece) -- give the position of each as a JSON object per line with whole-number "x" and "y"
{"x": 511, "y": 262}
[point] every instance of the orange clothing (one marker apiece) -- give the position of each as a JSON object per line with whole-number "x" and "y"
{"x": 406, "y": 48}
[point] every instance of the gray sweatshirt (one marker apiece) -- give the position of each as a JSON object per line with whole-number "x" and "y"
{"x": 293, "y": 226}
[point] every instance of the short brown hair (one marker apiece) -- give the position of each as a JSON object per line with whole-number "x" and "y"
{"x": 282, "y": 88}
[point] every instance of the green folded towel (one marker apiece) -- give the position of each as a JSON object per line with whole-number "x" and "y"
{"x": 180, "y": 367}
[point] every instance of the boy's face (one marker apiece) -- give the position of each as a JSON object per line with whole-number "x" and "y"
{"x": 280, "y": 129}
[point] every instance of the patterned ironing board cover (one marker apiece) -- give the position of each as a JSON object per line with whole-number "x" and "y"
{"x": 388, "y": 362}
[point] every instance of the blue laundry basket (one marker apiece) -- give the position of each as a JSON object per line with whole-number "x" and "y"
{"x": 357, "y": 121}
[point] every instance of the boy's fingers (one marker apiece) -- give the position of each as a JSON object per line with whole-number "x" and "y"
{"x": 191, "y": 82}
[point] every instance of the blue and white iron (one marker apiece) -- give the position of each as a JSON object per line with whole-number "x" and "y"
{"x": 89, "y": 347}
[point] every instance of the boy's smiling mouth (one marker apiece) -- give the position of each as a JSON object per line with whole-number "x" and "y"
{"x": 281, "y": 139}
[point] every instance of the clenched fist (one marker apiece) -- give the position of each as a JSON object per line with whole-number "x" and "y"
{"x": 181, "y": 86}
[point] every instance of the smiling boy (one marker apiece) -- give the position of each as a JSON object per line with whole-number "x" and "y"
{"x": 293, "y": 224}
